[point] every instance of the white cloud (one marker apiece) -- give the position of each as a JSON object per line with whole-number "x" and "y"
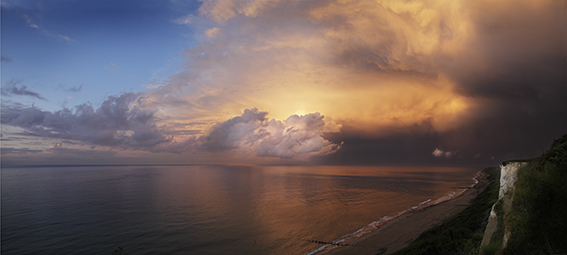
{"x": 439, "y": 153}
{"x": 296, "y": 137}
{"x": 49, "y": 33}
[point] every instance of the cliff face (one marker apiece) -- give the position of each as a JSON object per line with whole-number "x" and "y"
{"x": 508, "y": 178}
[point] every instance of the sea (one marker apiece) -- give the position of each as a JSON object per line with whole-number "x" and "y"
{"x": 207, "y": 209}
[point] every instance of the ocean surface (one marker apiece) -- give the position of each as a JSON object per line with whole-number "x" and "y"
{"x": 205, "y": 209}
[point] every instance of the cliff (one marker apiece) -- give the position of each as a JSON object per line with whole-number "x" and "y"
{"x": 529, "y": 216}
{"x": 525, "y": 216}
{"x": 508, "y": 178}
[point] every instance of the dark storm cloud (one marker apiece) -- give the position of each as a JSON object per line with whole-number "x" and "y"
{"x": 518, "y": 82}
{"x": 519, "y": 55}
{"x": 410, "y": 145}
{"x": 411, "y": 83}
{"x": 514, "y": 72}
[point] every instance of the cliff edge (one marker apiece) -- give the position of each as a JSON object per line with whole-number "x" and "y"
{"x": 508, "y": 178}
{"x": 529, "y": 216}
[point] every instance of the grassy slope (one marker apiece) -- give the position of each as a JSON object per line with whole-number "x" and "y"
{"x": 463, "y": 233}
{"x": 538, "y": 216}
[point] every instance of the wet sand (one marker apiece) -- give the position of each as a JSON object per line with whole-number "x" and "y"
{"x": 403, "y": 230}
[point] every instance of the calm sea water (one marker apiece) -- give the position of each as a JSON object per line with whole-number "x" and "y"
{"x": 204, "y": 209}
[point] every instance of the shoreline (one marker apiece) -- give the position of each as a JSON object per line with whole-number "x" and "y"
{"x": 398, "y": 230}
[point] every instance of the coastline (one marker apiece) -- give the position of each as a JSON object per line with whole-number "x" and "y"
{"x": 392, "y": 233}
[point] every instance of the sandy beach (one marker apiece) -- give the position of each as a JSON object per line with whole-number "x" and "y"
{"x": 403, "y": 230}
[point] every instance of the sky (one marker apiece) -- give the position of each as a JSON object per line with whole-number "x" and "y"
{"x": 317, "y": 82}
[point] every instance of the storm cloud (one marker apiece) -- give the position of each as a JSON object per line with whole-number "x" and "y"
{"x": 399, "y": 83}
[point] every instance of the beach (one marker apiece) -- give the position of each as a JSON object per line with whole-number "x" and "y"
{"x": 401, "y": 231}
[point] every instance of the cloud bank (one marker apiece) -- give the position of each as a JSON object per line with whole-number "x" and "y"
{"x": 400, "y": 77}
{"x": 393, "y": 80}
{"x": 117, "y": 122}
{"x": 296, "y": 136}
{"x": 120, "y": 123}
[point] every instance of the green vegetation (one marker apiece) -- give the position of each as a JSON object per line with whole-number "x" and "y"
{"x": 537, "y": 218}
{"x": 517, "y": 160}
{"x": 463, "y": 233}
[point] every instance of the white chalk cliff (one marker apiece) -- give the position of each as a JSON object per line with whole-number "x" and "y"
{"x": 508, "y": 178}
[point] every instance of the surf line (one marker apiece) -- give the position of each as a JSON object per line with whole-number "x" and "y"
{"x": 345, "y": 240}
{"x": 333, "y": 243}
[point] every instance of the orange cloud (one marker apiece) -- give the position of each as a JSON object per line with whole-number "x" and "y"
{"x": 372, "y": 68}
{"x": 368, "y": 64}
